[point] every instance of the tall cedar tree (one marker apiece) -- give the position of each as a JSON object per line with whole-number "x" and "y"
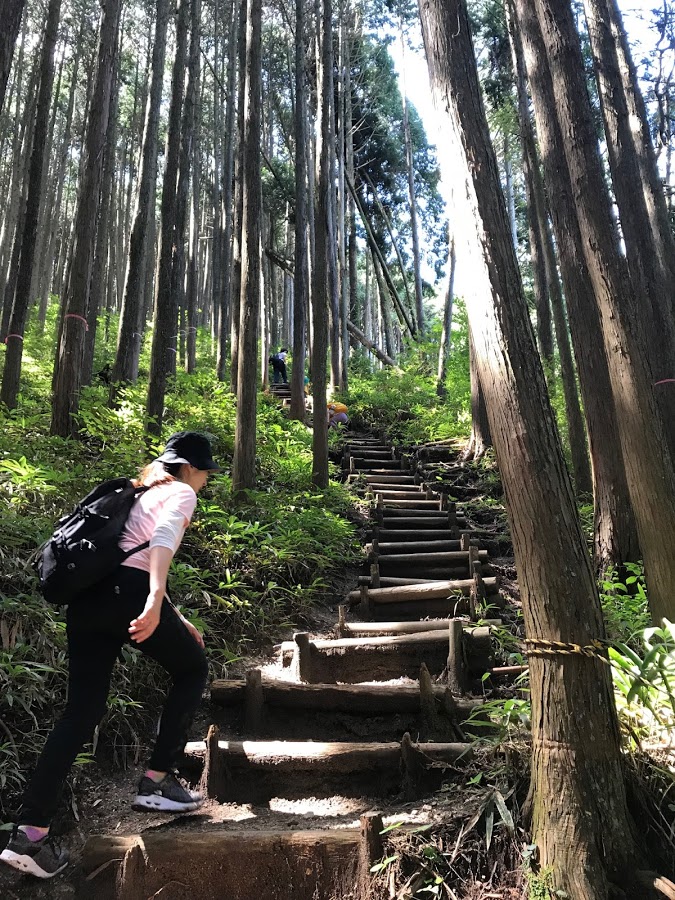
{"x": 17, "y": 321}
{"x": 301, "y": 282}
{"x": 71, "y": 343}
{"x": 129, "y": 337}
{"x": 577, "y": 774}
{"x": 649, "y": 467}
{"x": 320, "y": 262}
{"x": 243, "y": 463}
{"x": 10, "y": 15}
{"x": 165, "y": 322}
{"x": 650, "y": 246}
{"x": 615, "y": 535}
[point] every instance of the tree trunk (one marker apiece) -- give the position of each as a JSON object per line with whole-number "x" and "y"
{"x": 165, "y": 320}
{"x": 615, "y": 530}
{"x": 69, "y": 364}
{"x": 649, "y": 467}
{"x": 237, "y": 236}
{"x": 17, "y": 322}
{"x": 446, "y": 335}
{"x": 243, "y": 464}
{"x": 650, "y": 246}
{"x": 301, "y": 281}
{"x": 410, "y": 161}
{"x": 369, "y": 345}
{"x": 12, "y": 11}
{"x": 101, "y": 254}
{"x": 577, "y": 772}
{"x": 320, "y": 264}
{"x": 480, "y": 438}
{"x": 140, "y": 248}
{"x": 192, "y": 290}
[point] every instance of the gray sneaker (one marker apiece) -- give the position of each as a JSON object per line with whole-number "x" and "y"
{"x": 167, "y": 795}
{"x": 44, "y": 858}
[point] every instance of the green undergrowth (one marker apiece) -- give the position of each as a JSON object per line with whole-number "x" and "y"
{"x": 244, "y": 570}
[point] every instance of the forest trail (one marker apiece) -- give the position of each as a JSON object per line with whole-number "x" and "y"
{"x": 308, "y": 757}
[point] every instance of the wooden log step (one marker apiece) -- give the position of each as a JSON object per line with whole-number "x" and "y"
{"x": 372, "y": 453}
{"x": 439, "y": 573}
{"x": 378, "y": 466}
{"x": 402, "y": 535}
{"x": 396, "y": 490}
{"x": 450, "y": 557}
{"x": 386, "y": 495}
{"x": 220, "y": 862}
{"x": 431, "y": 546}
{"x": 430, "y": 590}
{"x": 255, "y": 771}
{"x": 360, "y": 699}
{"x": 387, "y": 479}
{"x": 413, "y": 506}
{"x": 354, "y": 660}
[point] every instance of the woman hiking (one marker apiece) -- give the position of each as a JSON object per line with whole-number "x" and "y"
{"x": 129, "y": 606}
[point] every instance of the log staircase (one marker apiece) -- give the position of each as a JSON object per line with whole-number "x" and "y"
{"x": 366, "y": 720}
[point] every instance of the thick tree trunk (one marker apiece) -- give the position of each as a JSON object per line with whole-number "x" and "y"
{"x": 165, "y": 320}
{"x": 301, "y": 282}
{"x": 320, "y": 263}
{"x": 369, "y": 345}
{"x": 243, "y": 465}
{"x": 615, "y": 530}
{"x": 412, "y": 199}
{"x": 11, "y": 11}
{"x": 69, "y": 364}
{"x": 577, "y": 773}
{"x": 446, "y": 334}
{"x": 650, "y": 246}
{"x": 17, "y": 321}
{"x": 649, "y": 467}
{"x": 480, "y": 438}
{"x": 140, "y": 248}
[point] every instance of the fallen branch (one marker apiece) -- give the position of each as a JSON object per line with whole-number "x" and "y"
{"x": 370, "y": 345}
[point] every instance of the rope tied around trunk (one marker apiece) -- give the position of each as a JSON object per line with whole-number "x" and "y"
{"x": 538, "y": 647}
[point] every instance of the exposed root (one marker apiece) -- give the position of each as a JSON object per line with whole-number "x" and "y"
{"x": 662, "y": 886}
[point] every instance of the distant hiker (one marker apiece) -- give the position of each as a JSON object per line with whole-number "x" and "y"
{"x": 105, "y": 375}
{"x": 278, "y": 361}
{"x": 130, "y": 605}
{"x": 337, "y": 415}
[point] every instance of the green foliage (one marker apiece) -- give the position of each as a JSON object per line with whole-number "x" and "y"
{"x": 624, "y": 603}
{"x": 404, "y": 401}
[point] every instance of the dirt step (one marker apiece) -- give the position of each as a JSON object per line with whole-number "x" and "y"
{"x": 375, "y": 453}
{"x": 375, "y": 467}
{"x": 450, "y": 557}
{"x": 386, "y": 495}
{"x": 354, "y": 660}
{"x": 256, "y": 771}
{"x": 396, "y": 490}
{"x": 412, "y": 506}
{"x": 211, "y": 865}
{"x": 423, "y": 518}
{"x": 381, "y": 629}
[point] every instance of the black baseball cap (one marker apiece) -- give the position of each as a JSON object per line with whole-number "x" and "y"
{"x": 190, "y": 447}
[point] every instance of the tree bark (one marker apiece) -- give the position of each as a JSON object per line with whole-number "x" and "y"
{"x": 649, "y": 466}
{"x": 446, "y": 334}
{"x": 243, "y": 465}
{"x": 650, "y": 246}
{"x": 165, "y": 320}
{"x": 66, "y": 401}
{"x": 369, "y": 345}
{"x": 11, "y": 12}
{"x": 237, "y": 237}
{"x": 320, "y": 264}
{"x": 480, "y": 438}
{"x": 17, "y": 322}
{"x": 577, "y": 774}
{"x": 140, "y": 249}
{"x": 301, "y": 282}
{"x": 410, "y": 161}
{"x": 615, "y": 530}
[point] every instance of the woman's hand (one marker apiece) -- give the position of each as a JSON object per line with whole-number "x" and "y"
{"x": 196, "y": 634}
{"x": 144, "y": 626}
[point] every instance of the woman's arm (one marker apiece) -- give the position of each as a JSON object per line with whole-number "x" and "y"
{"x": 142, "y": 627}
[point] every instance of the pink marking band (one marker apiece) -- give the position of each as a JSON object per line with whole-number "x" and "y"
{"x": 81, "y": 318}
{"x": 19, "y": 337}
{"x": 665, "y": 381}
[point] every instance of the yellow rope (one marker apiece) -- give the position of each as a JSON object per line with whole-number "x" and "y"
{"x": 539, "y": 647}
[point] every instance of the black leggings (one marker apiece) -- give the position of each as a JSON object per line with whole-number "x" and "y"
{"x": 97, "y": 627}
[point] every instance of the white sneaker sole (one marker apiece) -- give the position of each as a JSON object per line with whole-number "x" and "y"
{"x": 162, "y": 804}
{"x": 27, "y": 864}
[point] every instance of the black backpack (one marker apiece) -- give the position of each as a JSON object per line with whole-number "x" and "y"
{"x": 84, "y": 548}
